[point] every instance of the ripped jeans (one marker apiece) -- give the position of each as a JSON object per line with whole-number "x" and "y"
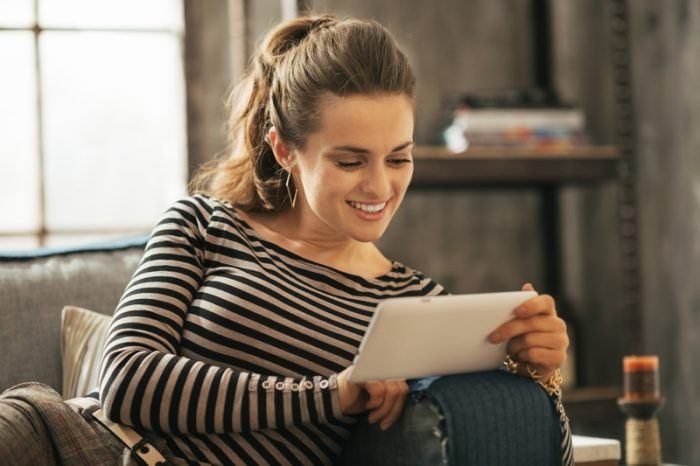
{"x": 422, "y": 429}
{"x": 481, "y": 418}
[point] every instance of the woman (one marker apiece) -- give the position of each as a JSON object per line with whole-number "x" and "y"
{"x": 233, "y": 340}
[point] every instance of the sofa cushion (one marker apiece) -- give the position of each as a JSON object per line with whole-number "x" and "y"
{"x": 84, "y": 333}
{"x": 36, "y": 285}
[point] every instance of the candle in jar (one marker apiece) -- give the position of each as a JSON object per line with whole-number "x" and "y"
{"x": 641, "y": 377}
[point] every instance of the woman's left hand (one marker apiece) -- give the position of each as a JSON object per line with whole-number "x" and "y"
{"x": 537, "y": 335}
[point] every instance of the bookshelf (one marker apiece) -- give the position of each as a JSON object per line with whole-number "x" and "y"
{"x": 437, "y": 167}
{"x": 592, "y": 408}
{"x": 547, "y": 171}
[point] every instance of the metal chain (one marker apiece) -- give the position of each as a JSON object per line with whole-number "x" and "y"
{"x": 626, "y": 176}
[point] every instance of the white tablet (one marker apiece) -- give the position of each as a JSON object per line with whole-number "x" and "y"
{"x": 434, "y": 335}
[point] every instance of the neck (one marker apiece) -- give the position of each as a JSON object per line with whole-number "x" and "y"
{"x": 313, "y": 236}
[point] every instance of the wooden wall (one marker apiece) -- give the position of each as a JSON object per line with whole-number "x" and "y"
{"x": 666, "y": 64}
{"x": 665, "y": 59}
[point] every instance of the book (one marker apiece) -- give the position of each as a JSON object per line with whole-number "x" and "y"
{"x": 591, "y": 451}
{"x": 498, "y": 120}
{"x": 533, "y": 118}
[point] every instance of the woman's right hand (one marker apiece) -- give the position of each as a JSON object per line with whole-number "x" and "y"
{"x": 385, "y": 399}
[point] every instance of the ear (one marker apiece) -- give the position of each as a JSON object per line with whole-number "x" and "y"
{"x": 280, "y": 148}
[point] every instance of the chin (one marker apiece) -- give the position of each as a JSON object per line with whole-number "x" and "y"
{"x": 366, "y": 238}
{"x": 368, "y": 234}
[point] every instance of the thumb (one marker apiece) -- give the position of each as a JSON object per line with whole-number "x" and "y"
{"x": 376, "y": 394}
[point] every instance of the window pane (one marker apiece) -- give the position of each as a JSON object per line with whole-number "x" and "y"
{"x": 114, "y": 128}
{"x": 111, "y": 14}
{"x": 19, "y": 175}
{"x": 18, "y": 243}
{"x": 16, "y": 13}
{"x": 66, "y": 240}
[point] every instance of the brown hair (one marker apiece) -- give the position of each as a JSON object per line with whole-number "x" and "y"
{"x": 295, "y": 64}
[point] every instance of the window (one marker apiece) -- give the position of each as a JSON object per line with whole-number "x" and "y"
{"x": 93, "y": 133}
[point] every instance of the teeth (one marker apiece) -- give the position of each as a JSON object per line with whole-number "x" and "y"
{"x": 368, "y": 207}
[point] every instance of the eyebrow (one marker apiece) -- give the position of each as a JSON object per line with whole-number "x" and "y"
{"x": 361, "y": 150}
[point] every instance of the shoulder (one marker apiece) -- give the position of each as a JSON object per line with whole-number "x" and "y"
{"x": 200, "y": 208}
{"x": 192, "y": 213}
{"x": 422, "y": 285}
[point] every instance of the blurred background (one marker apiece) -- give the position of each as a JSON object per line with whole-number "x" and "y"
{"x": 558, "y": 143}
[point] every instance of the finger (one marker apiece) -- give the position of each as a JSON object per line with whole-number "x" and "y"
{"x": 392, "y": 391}
{"x": 528, "y": 287}
{"x": 549, "y": 340}
{"x": 375, "y": 390}
{"x": 513, "y": 328}
{"x": 395, "y": 412}
{"x": 548, "y": 359}
{"x": 542, "y": 304}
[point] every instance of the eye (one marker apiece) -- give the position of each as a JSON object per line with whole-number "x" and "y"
{"x": 400, "y": 161}
{"x": 349, "y": 165}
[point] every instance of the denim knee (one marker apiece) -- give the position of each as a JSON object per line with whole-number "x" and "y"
{"x": 417, "y": 438}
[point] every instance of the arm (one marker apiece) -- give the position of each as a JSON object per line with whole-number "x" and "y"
{"x": 143, "y": 381}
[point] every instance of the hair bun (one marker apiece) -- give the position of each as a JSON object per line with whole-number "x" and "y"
{"x": 323, "y": 22}
{"x": 276, "y": 45}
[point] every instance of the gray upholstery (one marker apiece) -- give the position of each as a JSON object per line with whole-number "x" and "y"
{"x": 34, "y": 287}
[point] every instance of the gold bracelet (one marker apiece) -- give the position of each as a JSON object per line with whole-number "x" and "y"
{"x": 553, "y": 383}
{"x": 510, "y": 364}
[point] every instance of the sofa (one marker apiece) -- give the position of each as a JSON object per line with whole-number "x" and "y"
{"x": 494, "y": 417}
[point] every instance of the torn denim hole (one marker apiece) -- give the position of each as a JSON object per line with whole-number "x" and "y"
{"x": 440, "y": 429}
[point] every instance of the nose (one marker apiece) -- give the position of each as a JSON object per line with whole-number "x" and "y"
{"x": 377, "y": 185}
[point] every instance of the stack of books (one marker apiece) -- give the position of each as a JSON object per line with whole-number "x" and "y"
{"x": 525, "y": 118}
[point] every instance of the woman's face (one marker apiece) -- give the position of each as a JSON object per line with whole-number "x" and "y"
{"x": 354, "y": 171}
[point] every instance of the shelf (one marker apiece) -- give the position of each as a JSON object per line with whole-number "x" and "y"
{"x": 593, "y": 411}
{"x": 437, "y": 167}
{"x": 591, "y": 394}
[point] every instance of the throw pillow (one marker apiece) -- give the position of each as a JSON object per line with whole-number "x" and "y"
{"x": 84, "y": 333}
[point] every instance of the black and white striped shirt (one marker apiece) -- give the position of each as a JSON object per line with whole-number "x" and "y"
{"x": 229, "y": 346}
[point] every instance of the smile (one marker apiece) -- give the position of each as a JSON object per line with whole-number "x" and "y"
{"x": 371, "y": 212}
{"x": 370, "y": 208}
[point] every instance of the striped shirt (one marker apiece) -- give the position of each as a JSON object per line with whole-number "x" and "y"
{"x": 228, "y": 346}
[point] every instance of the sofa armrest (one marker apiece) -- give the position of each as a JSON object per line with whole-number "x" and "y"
{"x": 35, "y": 286}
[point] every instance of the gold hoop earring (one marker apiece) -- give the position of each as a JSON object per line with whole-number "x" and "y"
{"x": 292, "y": 200}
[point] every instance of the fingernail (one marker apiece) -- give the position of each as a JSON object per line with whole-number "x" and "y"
{"x": 383, "y": 426}
{"x": 519, "y": 311}
{"x": 494, "y": 337}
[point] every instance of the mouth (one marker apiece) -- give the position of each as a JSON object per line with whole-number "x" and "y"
{"x": 369, "y": 211}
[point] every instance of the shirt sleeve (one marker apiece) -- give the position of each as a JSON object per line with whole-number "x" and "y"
{"x": 430, "y": 287}
{"x": 145, "y": 383}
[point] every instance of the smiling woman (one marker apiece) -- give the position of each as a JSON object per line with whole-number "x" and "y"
{"x": 324, "y": 119}
{"x": 233, "y": 341}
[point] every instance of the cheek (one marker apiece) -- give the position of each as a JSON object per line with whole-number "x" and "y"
{"x": 402, "y": 180}
{"x": 408, "y": 175}
{"x": 326, "y": 187}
